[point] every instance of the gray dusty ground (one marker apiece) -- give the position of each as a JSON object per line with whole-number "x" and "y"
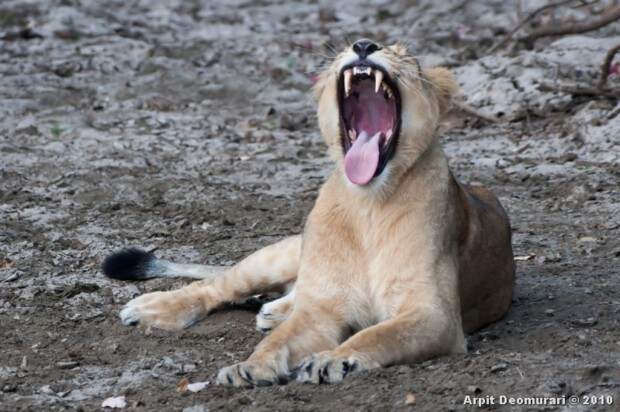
{"x": 188, "y": 126}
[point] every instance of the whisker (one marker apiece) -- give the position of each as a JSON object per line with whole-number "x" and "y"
{"x": 331, "y": 48}
{"x": 347, "y": 40}
{"x": 312, "y": 50}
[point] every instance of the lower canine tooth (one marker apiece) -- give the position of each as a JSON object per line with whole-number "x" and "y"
{"x": 347, "y": 82}
{"x": 352, "y": 134}
{"x": 378, "y": 80}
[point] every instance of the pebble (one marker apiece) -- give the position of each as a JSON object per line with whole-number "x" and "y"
{"x": 195, "y": 408}
{"x": 12, "y": 277}
{"x": 118, "y": 402}
{"x": 584, "y": 323}
{"x": 410, "y": 399}
{"x": 67, "y": 365}
{"x": 473, "y": 389}
{"x": 500, "y": 367}
{"x": 46, "y": 389}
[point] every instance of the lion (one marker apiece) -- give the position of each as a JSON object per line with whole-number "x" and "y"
{"x": 397, "y": 260}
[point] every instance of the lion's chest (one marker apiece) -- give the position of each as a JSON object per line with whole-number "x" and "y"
{"x": 366, "y": 271}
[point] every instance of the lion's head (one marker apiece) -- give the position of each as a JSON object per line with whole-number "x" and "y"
{"x": 378, "y": 110}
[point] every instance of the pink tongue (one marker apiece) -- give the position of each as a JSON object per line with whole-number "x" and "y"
{"x": 362, "y": 159}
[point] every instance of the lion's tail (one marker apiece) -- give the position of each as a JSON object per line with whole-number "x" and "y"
{"x": 137, "y": 264}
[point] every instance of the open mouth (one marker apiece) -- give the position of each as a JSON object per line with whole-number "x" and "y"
{"x": 369, "y": 103}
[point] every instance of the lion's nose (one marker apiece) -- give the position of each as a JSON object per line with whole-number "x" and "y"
{"x": 364, "y": 48}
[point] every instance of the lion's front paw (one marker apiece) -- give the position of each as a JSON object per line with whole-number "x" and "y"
{"x": 249, "y": 374}
{"x": 164, "y": 310}
{"x": 329, "y": 367}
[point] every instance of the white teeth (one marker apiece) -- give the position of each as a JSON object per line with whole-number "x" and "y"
{"x": 378, "y": 80}
{"x": 387, "y": 90}
{"x": 352, "y": 135}
{"x": 362, "y": 70}
{"x": 347, "y": 82}
{"x": 388, "y": 134}
{"x": 369, "y": 71}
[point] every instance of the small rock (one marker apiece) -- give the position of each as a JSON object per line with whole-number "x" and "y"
{"x": 526, "y": 257}
{"x": 485, "y": 336}
{"x": 188, "y": 367}
{"x": 584, "y": 323}
{"x": 118, "y": 402}
{"x": 500, "y": 367}
{"x": 182, "y": 385}
{"x": 557, "y": 387}
{"x": 540, "y": 259}
{"x": 195, "y": 408}
{"x": 410, "y": 399}
{"x": 197, "y": 386}
{"x": 12, "y": 277}
{"x": 46, "y": 390}
{"x": 549, "y": 312}
{"x": 67, "y": 365}
{"x": 66, "y": 69}
{"x": 474, "y": 389}
{"x": 244, "y": 400}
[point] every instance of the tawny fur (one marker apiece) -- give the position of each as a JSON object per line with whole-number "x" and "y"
{"x": 395, "y": 271}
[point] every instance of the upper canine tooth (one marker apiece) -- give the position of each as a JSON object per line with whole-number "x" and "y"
{"x": 347, "y": 82}
{"x": 378, "y": 80}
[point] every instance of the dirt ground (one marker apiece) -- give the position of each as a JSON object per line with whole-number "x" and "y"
{"x": 188, "y": 126}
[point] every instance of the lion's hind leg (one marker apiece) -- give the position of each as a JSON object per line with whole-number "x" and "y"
{"x": 273, "y": 268}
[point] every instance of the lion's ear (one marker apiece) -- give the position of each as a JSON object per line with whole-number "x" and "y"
{"x": 399, "y": 48}
{"x": 444, "y": 85}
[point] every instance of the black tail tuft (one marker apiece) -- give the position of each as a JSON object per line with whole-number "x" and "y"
{"x": 128, "y": 264}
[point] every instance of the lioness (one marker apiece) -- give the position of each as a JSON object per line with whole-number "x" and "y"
{"x": 397, "y": 260}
